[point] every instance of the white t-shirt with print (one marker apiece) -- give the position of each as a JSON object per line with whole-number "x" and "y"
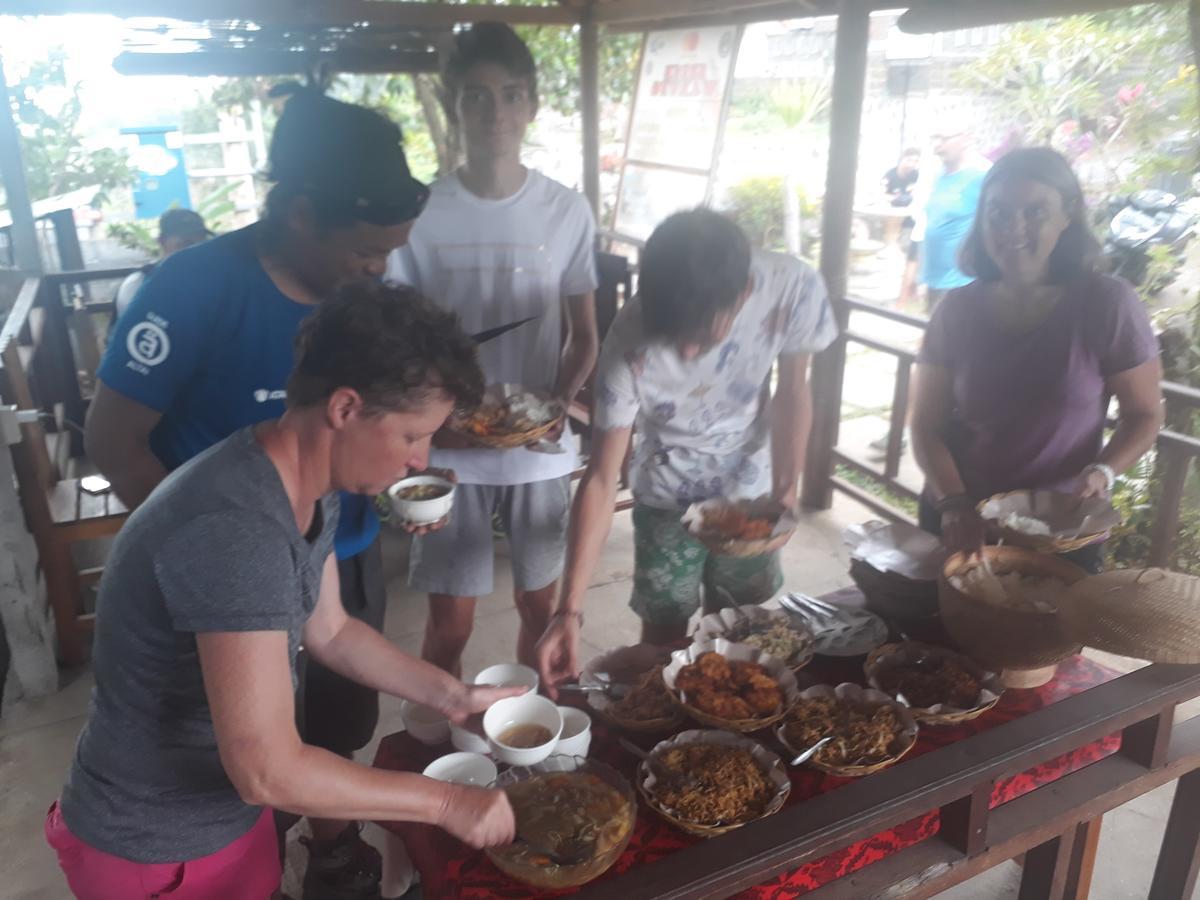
{"x": 702, "y": 424}
{"x": 494, "y": 262}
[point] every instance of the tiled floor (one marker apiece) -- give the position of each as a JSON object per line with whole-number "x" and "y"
{"x": 37, "y": 737}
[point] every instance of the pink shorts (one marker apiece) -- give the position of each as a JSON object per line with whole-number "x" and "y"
{"x": 247, "y": 869}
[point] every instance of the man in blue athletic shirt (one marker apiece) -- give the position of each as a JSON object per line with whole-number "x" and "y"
{"x": 205, "y": 349}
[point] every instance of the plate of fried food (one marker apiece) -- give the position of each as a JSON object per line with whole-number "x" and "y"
{"x": 634, "y": 697}
{"x": 509, "y": 416}
{"x": 740, "y": 527}
{"x": 731, "y": 686}
{"x": 940, "y": 686}
{"x": 870, "y": 730}
{"x": 710, "y": 782}
{"x": 772, "y": 631}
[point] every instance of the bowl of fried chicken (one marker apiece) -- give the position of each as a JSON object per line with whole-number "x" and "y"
{"x": 731, "y": 686}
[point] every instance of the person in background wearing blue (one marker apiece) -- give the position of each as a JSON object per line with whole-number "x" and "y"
{"x": 949, "y": 212}
{"x": 206, "y": 347}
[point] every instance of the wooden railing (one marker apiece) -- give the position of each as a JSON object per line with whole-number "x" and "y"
{"x": 1176, "y": 452}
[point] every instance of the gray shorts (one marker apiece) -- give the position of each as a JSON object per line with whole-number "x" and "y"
{"x": 458, "y": 559}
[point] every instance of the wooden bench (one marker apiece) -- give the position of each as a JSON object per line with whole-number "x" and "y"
{"x": 58, "y": 512}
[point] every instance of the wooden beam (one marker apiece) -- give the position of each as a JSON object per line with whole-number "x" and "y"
{"x": 849, "y": 89}
{"x": 235, "y": 63}
{"x": 302, "y": 12}
{"x": 589, "y": 96}
{"x": 621, "y": 11}
{"x": 952, "y": 15}
{"x": 12, "y": 172}
{"x": 732, "y": 15}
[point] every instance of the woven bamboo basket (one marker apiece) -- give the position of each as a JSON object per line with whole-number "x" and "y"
{"x": 776, "y": 667}
{"x": 905, "y": 740}
{"x": 1003, "y": 637}
{"x": 1048, "y": 504}
{"x": 786, "y": 524}
{"x": 989, "y": 695}
{"x": 504, "y": 441}
{"x": 602, "y": 705}
{"x": 628, "y": 663}
{"x": 1150, "y": 614}
{"x": 770, "y": 762}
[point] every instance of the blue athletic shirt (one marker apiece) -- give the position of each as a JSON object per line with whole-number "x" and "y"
{"x": 948, "y": 218}
{"x": 207, "y": 342}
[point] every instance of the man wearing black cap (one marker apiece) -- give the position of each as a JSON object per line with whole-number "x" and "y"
{"x": 205, "y": 349}
{"x": 178, "y": 229}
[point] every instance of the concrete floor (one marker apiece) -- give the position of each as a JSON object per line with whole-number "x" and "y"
{"x": 37, "y": 737}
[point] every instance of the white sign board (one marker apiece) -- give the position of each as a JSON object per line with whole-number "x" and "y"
{"x": 681, "y": 89}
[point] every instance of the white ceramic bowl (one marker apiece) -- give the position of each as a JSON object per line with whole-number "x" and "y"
{"x": 462, "y": 768}
{"x": 576, "y": 735}
{"x": 528, "y": 709}
{"x": 509, "y": 675}
{"x": 421, "y": 512}
{"x": 427, "y": 725}
{"x": 468, "y": 741}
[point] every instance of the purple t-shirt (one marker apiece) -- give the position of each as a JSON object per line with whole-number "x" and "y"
{"x": 1029, "y": 409}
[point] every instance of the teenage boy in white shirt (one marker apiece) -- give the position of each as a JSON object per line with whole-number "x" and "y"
{"x": 499, "y": 242}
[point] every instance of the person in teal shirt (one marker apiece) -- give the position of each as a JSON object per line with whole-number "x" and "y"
{"x": 949, "y": 213}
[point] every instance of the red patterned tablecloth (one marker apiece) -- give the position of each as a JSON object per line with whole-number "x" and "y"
{"x": 449, "y": 869}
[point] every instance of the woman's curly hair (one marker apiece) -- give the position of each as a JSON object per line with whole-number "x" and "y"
{"x": 389, "y": 344}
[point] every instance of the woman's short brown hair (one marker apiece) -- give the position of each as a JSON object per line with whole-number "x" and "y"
{"x": 396, "y": 349}
{"x": 1077, "y": 249}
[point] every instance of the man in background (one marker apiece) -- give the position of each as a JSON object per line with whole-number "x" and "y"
{"x": 949, "y": 212}
{"x": 177, "y": 230}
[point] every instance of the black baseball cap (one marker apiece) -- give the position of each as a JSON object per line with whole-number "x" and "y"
{"x": 182, "y": 223}
{"x": 347, "y": 157}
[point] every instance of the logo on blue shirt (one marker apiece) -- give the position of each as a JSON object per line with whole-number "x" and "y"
{"x": 148, "y": 344}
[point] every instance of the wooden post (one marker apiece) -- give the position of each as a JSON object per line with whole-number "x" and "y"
{"x": 1179, "y": 859}
{"x": 12, "y": 171}
{"x": 24, "y": 614}
{"x": 849, "y": 88}
{"x": 589, "y": 94}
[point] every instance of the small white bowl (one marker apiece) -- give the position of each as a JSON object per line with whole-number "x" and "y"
{"x": 468, "y": 741}
{"x": 509, "y": 675}
{"x": 462, "y": 768}
{"x": 427, "y": 725}
{"x": 421, "y": 512}
{"x": 528, "y": 709}
{"x": 576, "y": 735}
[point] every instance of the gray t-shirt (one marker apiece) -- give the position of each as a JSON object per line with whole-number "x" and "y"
{"x": 215, "y": 548}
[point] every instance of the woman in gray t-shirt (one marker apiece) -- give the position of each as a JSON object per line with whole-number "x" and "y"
{"x": 1016, "y": 369}
{"x": 212, "y": 585}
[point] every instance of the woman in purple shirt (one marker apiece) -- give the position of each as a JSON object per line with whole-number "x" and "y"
{"x": 1017, "y": 368}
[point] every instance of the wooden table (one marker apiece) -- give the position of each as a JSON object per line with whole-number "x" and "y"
{"x": 1034, "y": 776}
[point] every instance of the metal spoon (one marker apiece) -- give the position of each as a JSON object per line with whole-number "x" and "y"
{"x": 810, "y": 752}
{"x": 569, "y": 852}
{"x": 688, "y": 781}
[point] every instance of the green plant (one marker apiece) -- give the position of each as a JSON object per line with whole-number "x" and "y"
{"x": 58, "y": 158}
{"x": 756, "y": 204}
{"x": 138, "y": 236}
{"x": 877, "y": 489}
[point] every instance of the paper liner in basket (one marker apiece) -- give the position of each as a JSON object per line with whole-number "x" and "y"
{"x": 723, "y": 622}
{"x": 1072, "y": 523}
{"x": 763, "y": 507}
{"x": 498, "y": 393}
{"x": 776, "y": 667}
{"x": 770, "y": 763}
{"x": 1151, "y": 614}
{"x": 624, "y": 665}
{"x": 890, "y": 655}
{"x": 904, "y": 741}
{"x": 898, "y": 548}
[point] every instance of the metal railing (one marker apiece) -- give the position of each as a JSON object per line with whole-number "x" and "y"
{"x": 1176, "y": 452}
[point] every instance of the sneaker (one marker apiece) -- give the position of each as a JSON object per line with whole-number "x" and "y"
{"x": 880, "y": 445}
{"x": 346, "y": 868}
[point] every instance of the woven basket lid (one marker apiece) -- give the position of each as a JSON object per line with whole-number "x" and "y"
{"x": 1151, "y": 614}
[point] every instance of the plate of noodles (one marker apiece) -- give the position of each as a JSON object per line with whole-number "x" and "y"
{"x": 870, "y": 730}
{"x": 709, "y": 782}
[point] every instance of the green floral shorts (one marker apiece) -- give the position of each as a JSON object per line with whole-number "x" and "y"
{"x": 670, "y": 566}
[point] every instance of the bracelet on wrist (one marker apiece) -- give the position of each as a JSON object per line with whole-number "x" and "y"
{"x": 1110, "y": 477}
{"x": 575, "y": 614}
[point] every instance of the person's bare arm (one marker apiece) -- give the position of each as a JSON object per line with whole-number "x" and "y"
{"x": 591, "y": 520}
{"x": 117, "y": 440}
{"x": 580, "y": 348}
{"x": 1139, "y": 418}
{"x": 791, "y": 422}
{"x": 932, "y": 404}
{"x": 249, "y": 690}
{"x": 357, "y": 651}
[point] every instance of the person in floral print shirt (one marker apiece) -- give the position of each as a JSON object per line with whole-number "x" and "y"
{"x": 688, "y": 362}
